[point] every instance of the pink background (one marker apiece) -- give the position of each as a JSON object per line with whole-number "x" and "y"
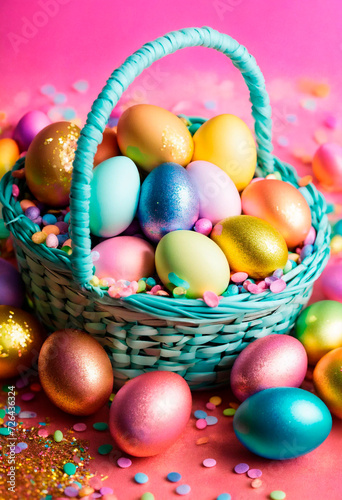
{"x": 83, "y": 39}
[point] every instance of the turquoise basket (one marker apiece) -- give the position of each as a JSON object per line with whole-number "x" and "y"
{"x": 143, "y": 332}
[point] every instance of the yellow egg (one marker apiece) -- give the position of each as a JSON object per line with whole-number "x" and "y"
{"x": 226, "y": 141}
{"x": 9, "y": 153}
{"x": 251, "y": 245}
{"x": 191, "y": 260}
{"x": 151, "y": 135}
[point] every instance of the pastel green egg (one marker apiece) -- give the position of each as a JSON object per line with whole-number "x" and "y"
{"x": 192, "y": 261}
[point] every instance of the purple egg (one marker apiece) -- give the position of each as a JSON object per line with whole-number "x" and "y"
{"x": 28, "y": 127}
{"x": 272, "y": 361}
{"x": 11, "y": 286}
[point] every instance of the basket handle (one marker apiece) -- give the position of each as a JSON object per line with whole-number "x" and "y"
{"x": 121, "y": 78}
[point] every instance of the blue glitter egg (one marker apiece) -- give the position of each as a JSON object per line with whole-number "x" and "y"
{"x": 168, "y": 201}
{"x": 282, "y": 423}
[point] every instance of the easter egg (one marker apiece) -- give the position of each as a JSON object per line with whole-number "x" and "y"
{"x": 327, "y": 378}
{"x": 150, "y": 412}
{"x": 319, "y": 328}
{"x": 108, "y": 148}
{"x": 28, "y": 127}
{"x": 280, "y": 204}
{"x": 115, "y": 188}
{"x": 327, "y": 166}
{"x": 124, "y": 257}
{"x": 11, "y": 285}
{"x": 193, "y": 261}
{"x": 9, "y": 154}
{"x": 151, "y": 135}
{"x": 21, "y": 336}
{"x": 75, "y": 372}
{"x": 218, "y": 195}
{"x": 331, "y": 281}
{"x": 251, "y": 245}
{"x": 48, "y": 163}
{"x": 226, "y": 141}
{"x": 168, "y": 201}
{"x": 271, "y": 361}
{"x": 282, "y": 423}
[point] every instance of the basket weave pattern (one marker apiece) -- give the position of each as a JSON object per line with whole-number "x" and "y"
{"x": 145, "y": 332}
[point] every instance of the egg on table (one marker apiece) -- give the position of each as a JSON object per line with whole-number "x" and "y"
{"x": 115, "y": 189}
{"x": 168, "y": 201}
{"x": 151, "y": 135}
{"x": 251, "y": 245}
{"x": 192, "y": 261}
{"x": 280, "y": 204}
{"x": 226, "y": 141}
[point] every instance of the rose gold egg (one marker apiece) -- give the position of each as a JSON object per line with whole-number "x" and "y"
{"x": 108, "y": 147}
{"x": 280, "y": 204}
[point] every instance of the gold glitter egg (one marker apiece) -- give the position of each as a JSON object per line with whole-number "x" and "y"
{"x": 75, "y": 372}
{"x": 327, "y": 378}
{"x": 251, "y": 245}
{"x": 151, "y": 135}
{"x": 280, "y": 204}
{"x": 319, "y": 328}
{"x": 48, "y": 163}
{"x": 21, "y": 337}
{"x": 226, "y": 141}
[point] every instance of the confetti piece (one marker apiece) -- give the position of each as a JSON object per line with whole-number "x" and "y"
{"x": 309, "y": 104}
{"x": 241, "y": 468}
{"x": 58, "y": 436}
{"x": 229, "y": 412}
{"x": 278, "y": 495}
{"x": 282, "y": 141}
{"x": 105, "y": 490}
{"x": 43, "y": 433}
{"x": 69, "y": 468}
{"x": 95, "y": 482}
{"x": 105, "y": 449}
{"x": 47, "y": 89}
{"x": 256, "y": 483}
{"x": 36, "y": 387}
{"x": 71, "y": 492}
{"x": 210, "y": 104}
{"x": 27, "y": 414}
{"x": 147, "y": 496}
{"x": 209, "y": 462}
{"x": 140, "y": 478}
{"x": 224, "y": 496}
{"x": 304, "y": 181}
{"x": 237, "y": 278}
{"x": 183, "y": 489}
{"x": 81, "y": 86}
{"x": 22, "y": 446}
{"x": 200, "y": 414}
{"x": 201, "y": 423}
{"x": 4, "y": 431}
{"x": 59, "y": 98}
{"x": 85, "y": 491}
{"x": 174, "y": 477}
{"x": 254, "y": 473}
{"x": 28, "y": 396}
{"x": 215, "y": 400}
{"x": 100, "y": 426}
{"x": 69, "y": 113}
{"x": 278, "y": 286}
{"x": 211, "y": 420}
{"x": 80, "y": 427}
{"x": 210, "y": 406}
{"x": 202, "y": 440}
{"x": 123, "y": 462}
{"x": 291, "y": 118}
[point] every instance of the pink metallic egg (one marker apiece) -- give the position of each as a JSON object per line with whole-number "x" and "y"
{"x": 331, "y": 281}
{"x": 28, "y": 127}
{"x": 124, "y": 258}
{"x": 327, "y": 166}
{"x": 271, "y": 361}
{"x": 150, "y": 412}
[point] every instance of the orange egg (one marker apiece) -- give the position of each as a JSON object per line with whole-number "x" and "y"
{"x": 280, "y": 204}
{"x": 9, "y": 153}
{"x": 108, "y": 147}
{"x": 151, "y": 135}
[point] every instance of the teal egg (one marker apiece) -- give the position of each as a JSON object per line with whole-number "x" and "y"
{"x": 115, "y": 189}
{"x": 282, "y": 423}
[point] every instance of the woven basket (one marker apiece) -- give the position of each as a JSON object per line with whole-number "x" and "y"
{"x": 145, "y": 332}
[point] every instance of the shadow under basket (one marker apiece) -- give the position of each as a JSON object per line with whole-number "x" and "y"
{"x": 144, "y": 332}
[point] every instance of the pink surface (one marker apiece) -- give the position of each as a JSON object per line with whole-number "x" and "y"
{"x": 87, "y": 40}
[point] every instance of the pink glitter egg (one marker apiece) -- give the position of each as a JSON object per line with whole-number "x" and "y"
{"x": 327, "y": 166}
{"x": 272, "y": 361}
{"x": 149, "y": 413}
{"x": 331, "y": 281}
{"x": 28, "y": 127}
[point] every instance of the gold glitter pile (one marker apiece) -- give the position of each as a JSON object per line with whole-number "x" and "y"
{"x": 44, "y": 468}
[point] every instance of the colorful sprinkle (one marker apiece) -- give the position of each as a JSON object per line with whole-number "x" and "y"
{"x": 278, "y": 495}
{"x": 201, "y": 423}
{"x": 209, "y": 462}
{"x": 105, "y": 449}
{"x": 28, "y": 396}
{"x": 254, "y": 473}
{"x": 105, "y": 490}
{"x": 211, "y": 299}
{"x": 278, "y": 286}
{"x": 147, "y": 496}
{"x": 100, "y": 426}
{"x": 241, "y": 468}
{"x": 229, "y": 412}
{"x": 27, "y": 414}
{"x": 210, "y": 406}
{"x": 140, "y": 478}
{"x": 224, "y": 496}
{"x": 200, "y": 414}
{"x": 183, "y": 489}
{"x": 215, "y": 400}
{"x": 239, "y": 277}
{"x": 202, "y": 440}
{"x": 58, "y": 436}
{"x": 69, "y": 468}
{"x": 81, "y": 86}
{"x": 123, "y": 462}
{"x": 256, "y": 483}
{"x": 211, "y": 420}
{"x": 174, "y": 477}
{"x": 71, "y": 492}
{"x": 80, "y": 427}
